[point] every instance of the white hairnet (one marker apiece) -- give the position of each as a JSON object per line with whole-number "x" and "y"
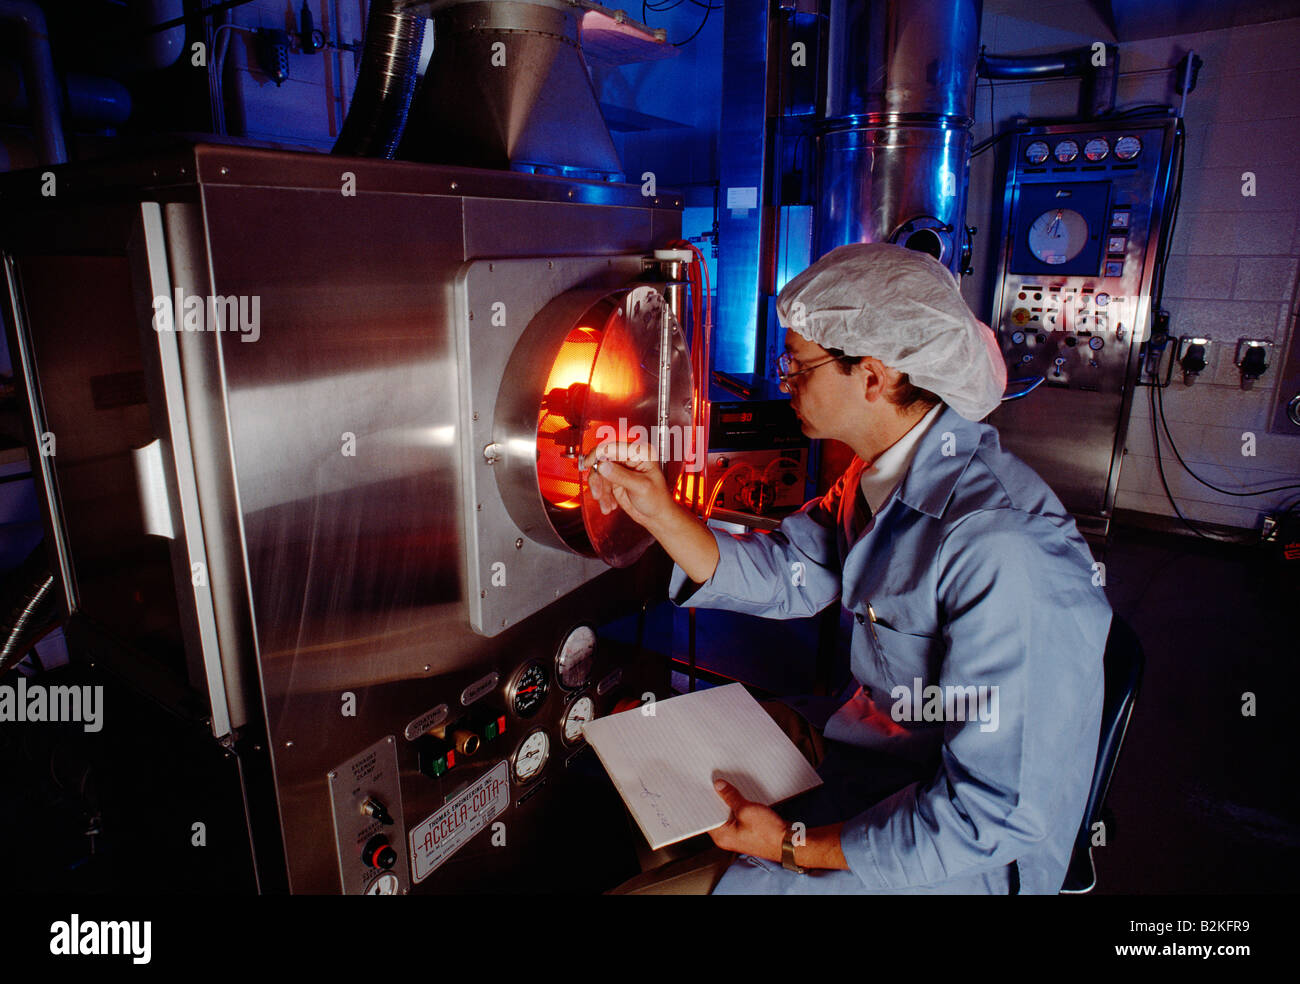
{"x": 905, "y": 309}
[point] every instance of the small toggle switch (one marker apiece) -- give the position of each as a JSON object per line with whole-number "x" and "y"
{"x": 373, "y": 808}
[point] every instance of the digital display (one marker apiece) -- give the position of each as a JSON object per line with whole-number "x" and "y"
{"x": 738, "y": 418}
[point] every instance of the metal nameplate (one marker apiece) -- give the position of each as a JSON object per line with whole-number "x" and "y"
{"x": 452, "y": 827}
{"x": 479, "y": 689}
{"x": 426, "y": 722}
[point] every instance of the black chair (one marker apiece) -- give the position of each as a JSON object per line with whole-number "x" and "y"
{"x": 1122, "y": 669}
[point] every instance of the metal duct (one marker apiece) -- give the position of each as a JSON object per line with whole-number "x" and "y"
{"x": 385, "y": 83}
{"x": 895, "y": 144}
{"x": 507, "y": 87}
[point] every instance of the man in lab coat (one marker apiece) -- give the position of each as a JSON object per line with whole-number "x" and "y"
{"x": 962, "y": 761}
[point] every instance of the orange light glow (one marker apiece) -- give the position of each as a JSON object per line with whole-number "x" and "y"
{"x": 557, "y": 475}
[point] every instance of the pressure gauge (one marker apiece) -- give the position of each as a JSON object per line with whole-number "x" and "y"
{"x": 385, "y": 884}
{"x": 1096, "y": 149}
{"x": 573, "y": 661}
{"x": 1095, "y": 343}
{"x": 1066, "y": 151}
{"x": 530, "y": 757}
{"x": 1017, "y": 338}
{"x": 579, "y": 713}
{"x": 1127, "y": 148}
{"x": 528, "y": 690}
{"x": 1058, "y": 236}
{"x": 1036, "y": 152}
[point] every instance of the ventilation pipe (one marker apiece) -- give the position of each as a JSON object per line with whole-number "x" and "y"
{"x": 385, "y": 82}
{"x": 894, "y": 145}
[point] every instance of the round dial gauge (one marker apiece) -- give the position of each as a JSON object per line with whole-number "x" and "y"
{"x": 1096, "y": 149}
{"x": 529, "y": 689}
{"x": 385, "y": 884}
{"x": 1127, "y": 148}
{"x": 1037, "y": 152}
{"x": 1058, "y": 235}
{"x": 1066, "y": 151}
{"x": 573, "y": 661}
{"x": 530, "y": 757}
{"x": 579, "y": 713}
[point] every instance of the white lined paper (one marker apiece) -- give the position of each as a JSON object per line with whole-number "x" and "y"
{"x": 664, "y": 764}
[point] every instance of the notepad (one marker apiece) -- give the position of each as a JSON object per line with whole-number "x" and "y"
{"x": 664, "y": 763}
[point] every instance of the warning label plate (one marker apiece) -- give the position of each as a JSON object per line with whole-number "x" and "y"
{"x": 452, "y": 827}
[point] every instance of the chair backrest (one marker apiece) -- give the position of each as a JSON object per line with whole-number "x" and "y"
{"x": 1122, "y": 670}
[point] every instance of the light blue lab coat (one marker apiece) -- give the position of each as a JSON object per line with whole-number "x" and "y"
{"x": 976, "y": 577}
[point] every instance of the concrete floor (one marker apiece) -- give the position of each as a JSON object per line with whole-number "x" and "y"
{"x": 1204, "y": 798}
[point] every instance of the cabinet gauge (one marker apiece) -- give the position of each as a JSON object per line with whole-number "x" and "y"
{"x": 1037, "y": 152}
{"x": 579, "y": 713}
{"x": 530, "y": 757}
{"x": 1066, "y": 151}
{"x": 528, "y": 691}
{"x": 385, "y": 884}
{"x": 1096, "y": 149}
{"x": 1128, "y": 147}
{"x": 1058, "y": 236}
{"x": 573, "y": 661}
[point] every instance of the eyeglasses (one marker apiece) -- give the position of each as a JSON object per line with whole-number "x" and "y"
{"x": 785, "y": 364}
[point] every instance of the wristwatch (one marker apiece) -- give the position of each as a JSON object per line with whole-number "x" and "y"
{"x": 787, "y": 854}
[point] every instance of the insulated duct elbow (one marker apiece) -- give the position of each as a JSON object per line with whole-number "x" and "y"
{"x": 385, "y": 83}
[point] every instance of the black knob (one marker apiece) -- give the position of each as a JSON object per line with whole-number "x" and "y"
{"x": 378, "y": 853}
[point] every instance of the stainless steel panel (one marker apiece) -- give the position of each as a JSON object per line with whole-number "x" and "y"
{"x": 509, "y": 228}
{"x": 531, "y": 573}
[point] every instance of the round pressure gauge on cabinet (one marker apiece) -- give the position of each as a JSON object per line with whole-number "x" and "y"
{"x": 1066, "y": 151}
{"x": 528, "y": 690}
{"x": 578, "y": 714}
{"x": 1127, "y": 148}
{"x": 530, "y": 757}
{"x": 1096, "y": 149}
{"x": 1037, "y": 152}
{"x": 573, "y": 661}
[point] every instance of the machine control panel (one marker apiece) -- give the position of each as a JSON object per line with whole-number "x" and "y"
{"x": 366, "y": 798}
{"x": 1075, "y": 266}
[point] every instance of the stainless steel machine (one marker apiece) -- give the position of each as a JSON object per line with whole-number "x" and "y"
{"x": 310, "y": 429}
{"x": 1084, "y": 219}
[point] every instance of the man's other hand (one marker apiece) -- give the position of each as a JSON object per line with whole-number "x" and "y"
{"x": 753, "y": 829}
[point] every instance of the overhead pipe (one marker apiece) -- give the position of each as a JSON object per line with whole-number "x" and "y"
{"x": 1097, "y": 97}
{"x": 42, "y": 84}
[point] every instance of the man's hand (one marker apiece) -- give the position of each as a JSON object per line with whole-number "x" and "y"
{"x": 626, "y": 476}
{"x": 753, "y": 829}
